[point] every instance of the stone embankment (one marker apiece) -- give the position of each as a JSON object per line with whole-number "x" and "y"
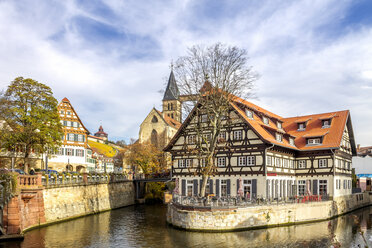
{"x": 262, "y": 216}
{"x": 36, "y": 204}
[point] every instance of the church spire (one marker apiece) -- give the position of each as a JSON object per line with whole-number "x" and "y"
{"x": 171, "y": 92}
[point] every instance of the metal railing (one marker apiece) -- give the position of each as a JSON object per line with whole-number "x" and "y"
{"x": 237, "y": 201}
{"x": 63, "y": 180}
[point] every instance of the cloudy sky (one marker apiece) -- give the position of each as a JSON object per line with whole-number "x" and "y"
{"x": 110, "y": 58}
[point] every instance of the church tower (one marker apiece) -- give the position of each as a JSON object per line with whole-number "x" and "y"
{"x": 171, "y": 104}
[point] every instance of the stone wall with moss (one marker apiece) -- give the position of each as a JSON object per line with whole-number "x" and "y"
{"x": 225, "y": 219}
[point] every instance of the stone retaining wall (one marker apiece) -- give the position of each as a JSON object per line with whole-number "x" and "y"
{"x": 262, "y": 216}
{"x": 67, "y": 202}
{"x": 36, "y": 206}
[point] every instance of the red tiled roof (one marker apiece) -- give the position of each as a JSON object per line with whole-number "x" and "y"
{"x": 332, "y": 135}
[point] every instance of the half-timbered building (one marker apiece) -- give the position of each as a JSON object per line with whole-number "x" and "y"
{"x": 72, "y": 155}
{"x": 271, "y": 156}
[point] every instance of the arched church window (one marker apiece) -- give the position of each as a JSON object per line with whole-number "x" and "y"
{"x": 154, "y": 138}
{"x": 154, "y": 119}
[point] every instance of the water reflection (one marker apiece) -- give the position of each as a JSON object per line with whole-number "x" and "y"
{"x": 144, "y": 226}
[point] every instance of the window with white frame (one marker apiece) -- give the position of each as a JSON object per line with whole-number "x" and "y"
{"x": 322, "y": 187}
{"x": 285, "y": 163}
{"x": 247, "y": 186}
{"x": 203, "y": 162}
{"x": 70, "y": 137}
{"x": 251, "y": 160}
{"x": 249, "y": 113}
{"x": 68, "y": 112}
{"x": 301, "y": 187}
{"x": 265, "y": 120}
{"x": 181, "y": 163}
{"x": 269, "y": 160}
{"x": 345, "y": 184}
{"x": 238, "y": 135}
{"x": 349, "y": 184}
{"x": 322, "y": 163}
{"x": 301, "y": 126}
{"x": 279, "y": 124}
{"x": 191, "y": 139}
{"x": 80, "y": 152}
{"x": 221, "y": 161}
{"x": 313, "y": 141}
{"x": 188, "y": 162}
{"x": 279, "y": 137}
{"x": 301, "y": 164}
{"x": 204, "y": 118}
{"x": 189, "y": 187}
{"x": 326, "y": 123}
{"x": 291, "y": 141}
{"x": 242, "y": 161}
{"x": 69, "y": 152}
{"x": 222, "y": 136}
{"x": 81, "y": 138}
{"x": 60, "y": 151}
{"x": 278, "y": 162}
{"x": 62, "y": 112}
{"x": 223, "y": 187}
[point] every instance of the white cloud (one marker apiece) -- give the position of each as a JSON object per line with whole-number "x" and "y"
{"x": 306, "y": 66}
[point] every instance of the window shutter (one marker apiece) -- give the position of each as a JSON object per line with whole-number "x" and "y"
{"x": 228, "y": 186}
{"x": 183, "y": 187}
{"x": 82, "y": 153}
{"x": 210, "y": 186}
{"x": 218, "y": 187}
{"x": 75, "y": 137}
{"x": 72, "y": 152}
{"x": 62, "y": 151}
{"x": 83, "y": 138}
{"x": 254, "y": 188}
{"x": 315, "y": 187}
{"x": 195, "y": 187}
{"x": 237, "y": 187}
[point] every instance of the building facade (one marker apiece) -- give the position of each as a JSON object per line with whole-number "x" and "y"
{"x": 269, "y": 156}
{"x": 72, "y": 155}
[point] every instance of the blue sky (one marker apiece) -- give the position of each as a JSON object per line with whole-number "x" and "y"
{"x": 111, "y": 57}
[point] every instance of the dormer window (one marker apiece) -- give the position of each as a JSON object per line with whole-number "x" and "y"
{"x": 291, "y": 141}
{"x": 314, "y": 141}
{"x": 301, "y": 126}
{"x": 326, "y": 123}
{"x": 279, "y": 124}
{"x": 279, "y": 137}
{"x": 265, "y": 120}
{"x": 249, "y": 113}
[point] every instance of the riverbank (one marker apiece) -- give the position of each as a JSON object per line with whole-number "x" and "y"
{"x": 262, "y": 216}
{"x": 36, "y": 205}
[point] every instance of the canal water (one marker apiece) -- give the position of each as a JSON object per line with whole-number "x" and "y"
{"x": 145, "y": 226}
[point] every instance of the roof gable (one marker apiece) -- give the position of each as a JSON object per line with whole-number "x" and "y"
{"x": 66, "y": 101}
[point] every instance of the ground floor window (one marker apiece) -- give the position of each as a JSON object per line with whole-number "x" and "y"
{"x": 301, "y": 187}
{"x": 223, "y": 187}
{"x": 322, "y": 187}
{"x": 247, "y": 185}
{"x": 189, "y": 187}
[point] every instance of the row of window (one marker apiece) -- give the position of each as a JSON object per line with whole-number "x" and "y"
{"x": 279, "y": 162}
{"x": 67, "y": 112}
{"x": 221, "y": 162}
{"x": 70, "y": 152}
{"x": 346, "y": 184}
{"x": 70, "y": 124}
{"x": 75, "y": 137}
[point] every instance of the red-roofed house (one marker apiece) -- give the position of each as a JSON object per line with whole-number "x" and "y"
{"x": 274, "y": 157}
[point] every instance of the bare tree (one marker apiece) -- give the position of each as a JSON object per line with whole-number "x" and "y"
{"x": 210, "y": 78}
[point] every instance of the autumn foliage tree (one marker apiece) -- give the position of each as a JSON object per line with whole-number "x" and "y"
{"x": 211, "y": 78}
{"x": 144, "y": 156}
{"x": 30, "y": 118}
